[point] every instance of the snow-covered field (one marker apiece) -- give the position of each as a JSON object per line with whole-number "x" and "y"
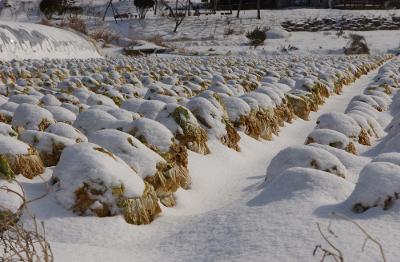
{"x": 232, "y": 154}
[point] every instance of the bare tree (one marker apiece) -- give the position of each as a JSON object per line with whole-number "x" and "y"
{"x": 258, "y": 9}
{"x": 155, "y": 6}
{"x": 215, "y": 6}
{"x": 239, "y": 8}
{"x": 178, "y": 12}
{"x": 143, "y": 6}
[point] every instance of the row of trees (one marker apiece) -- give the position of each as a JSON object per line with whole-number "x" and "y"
{"x": 177, "y": 9}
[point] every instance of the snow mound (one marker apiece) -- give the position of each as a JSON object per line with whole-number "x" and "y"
{"x": 93, "y": 120}
{"x": 352, "y": 162}
{"x": 393, "y": 157}
{"x": 305, "y": 156}
{"x": 143, "y": 160}
{"x": 378, "y": 186}
{"x": 277, "y": 32}
{"x": 90, "y": 180}
{"x": 88, "y": 164}
{"x": 331, "y": 138}
{"x": 306, "y": 185}
{"x": 9, "y": 145}
{"x": 9, "y": 201}
{"x": 340, "y": 123}
{"x": 61, "y": 114}
{"x": 183, "y": 124}
{"x": 392, "y": 145}
{"x": 34, "y": 41}
{"x": 68, "y": 131}
{"x": 48, "y": 145}
{"x": 7, "y": 130}
{"x": 32, "y": 117}
{"x": 17, "y": 157}
{"x": 151, "y": 133}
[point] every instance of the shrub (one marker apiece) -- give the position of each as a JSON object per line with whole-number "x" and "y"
{"x": 357, "y": 45}
{"x": 60, "y": 7}
{"x": 143, "y": 6}
{"x": 51, "y": 7}
{"x": 76, "y": 23}
{"x": 257, "y": 36}
{"x": 228, "y": 31}
{"x": 105, "y": 35}
{"x": 157, "y": 40}
{"x": 44, "y": 21}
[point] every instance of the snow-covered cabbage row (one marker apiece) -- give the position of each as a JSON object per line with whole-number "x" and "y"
{"x": 34, "y": 41}
{"x": 117, "y": 131}
{"x": 338, "y": 137}
{"x": 379, "y": 182}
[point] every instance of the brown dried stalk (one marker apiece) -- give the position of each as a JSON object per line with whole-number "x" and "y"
{"x": 366, "y": 234}
{"x": 18, "y": 243}
{"x": 336, "y": 253}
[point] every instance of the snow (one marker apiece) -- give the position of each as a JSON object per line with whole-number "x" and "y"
{"x": 151, "y": 108}
{"x": 143, "y": 160}
{"x": 329, "y": 137}
{"x": 7, "y": 130}
{"x": 10, "y": 145}
{"x": 152, "y": 132}
{"x": 43, "y": 141}
{"x": 84, "y": 163}
{"x": 211, "y": 117}
{"x": 304, "y": 156}
{"x": 353, "y": 163}
{"x": 9, "y": 106}
{"x": 392, "y": 157}
{"x": 339, "y": 122}
{"x": 31, "y": 116}
{"x": 236, "y": 107}
{"x": 61, "y": 114}
{"x": 20, "y": 99}
{"x": 392, "y": 145}
{"x": 97, "y": 99}
{"x": 230, "y": 213}
{"x": 277, "y": 32}
{"x": 10, "y": 201}
{"x": 297, "y": 181}
{"x": 101, "y": 119}
{"x": 68, "y": 131}
{"x": 50, "y": 100}
{"x": 33, "y": 41}
{"x": 378, "y": 181}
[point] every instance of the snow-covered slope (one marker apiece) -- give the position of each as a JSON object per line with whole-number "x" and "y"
{"x": 33, "y": 41}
